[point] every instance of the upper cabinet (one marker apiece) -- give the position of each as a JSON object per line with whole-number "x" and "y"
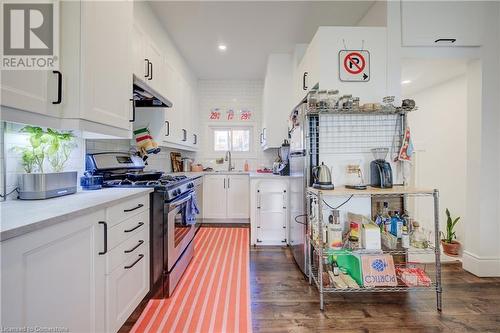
{"x": 93, "y": 87}
{"x": 442, "y": 23}
{"x": 321, "y": 64}
{"x": 276, "y": 100}
{"x": 106, "y": 63}
{"x": 157, "y": 63}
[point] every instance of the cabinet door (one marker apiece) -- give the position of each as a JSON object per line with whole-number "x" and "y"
{"x": 238, "y": 196}
{"x": 272, "y": 216}
{"x": 459, "y": 20}
{"x": 126, "y": 286}
{"x": 171, "y": 114}
{"x": 156, "y": 66}
{"x": 214, "y": 196}
{"x": 55, "y": 277}
{"x": 106, "y": 62}
{"x": 140, "y": 65}
{"x": 32, "y": 91}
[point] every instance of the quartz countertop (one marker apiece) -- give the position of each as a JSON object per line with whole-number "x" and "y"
{"x": 19, "y": 217}
{"x": 251, "y": 174}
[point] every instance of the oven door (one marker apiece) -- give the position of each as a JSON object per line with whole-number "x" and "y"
{"x": 179, "y": 235}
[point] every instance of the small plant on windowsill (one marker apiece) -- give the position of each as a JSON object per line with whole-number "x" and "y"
{"x": 450, "y": 245}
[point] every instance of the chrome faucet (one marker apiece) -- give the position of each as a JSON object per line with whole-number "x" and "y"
{"x": 229, "y": 160}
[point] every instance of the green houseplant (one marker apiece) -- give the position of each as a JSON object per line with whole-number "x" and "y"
{"x": 450, "y": 245}
{"x": 46, "y": 145}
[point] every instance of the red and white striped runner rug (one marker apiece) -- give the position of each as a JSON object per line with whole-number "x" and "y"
{"x": 214, "y": 293}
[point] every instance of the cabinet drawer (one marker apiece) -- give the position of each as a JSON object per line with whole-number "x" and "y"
{"x": 124, "y": 230}
{"x": 125, "y": 288}
{"x": 128, "y": 249}
{"x": 126, "y": 209}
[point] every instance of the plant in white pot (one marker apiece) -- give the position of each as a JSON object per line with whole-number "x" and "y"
{"x": 450, "y": 245}
{"x": 55, "y": 147}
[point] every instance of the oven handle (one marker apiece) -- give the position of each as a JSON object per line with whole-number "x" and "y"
{"x": 180, "y": 201}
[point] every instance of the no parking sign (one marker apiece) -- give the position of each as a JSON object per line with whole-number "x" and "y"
{"x": 354, "y": 66}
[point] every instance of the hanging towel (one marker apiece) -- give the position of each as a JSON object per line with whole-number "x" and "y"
{"x": 190, "y": 211}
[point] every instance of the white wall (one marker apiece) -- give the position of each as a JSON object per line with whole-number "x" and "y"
{"x": 439, "y": 131}
{"x": 482, "y": 256}
{"x": 236, "y": 95}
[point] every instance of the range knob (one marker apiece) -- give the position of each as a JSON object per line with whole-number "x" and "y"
{"x": 190, "y": 185}
{"x": 178, "y": 191}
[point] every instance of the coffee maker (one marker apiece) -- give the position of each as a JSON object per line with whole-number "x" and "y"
{"x": 284, "y": 154}
{"x": 380, "y": 169}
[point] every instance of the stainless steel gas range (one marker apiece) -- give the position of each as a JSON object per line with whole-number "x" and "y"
{"x": 171, "y": 238}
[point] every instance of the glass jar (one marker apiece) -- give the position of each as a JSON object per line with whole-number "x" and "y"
{"x": 354, "y": 176}
{"x": 419, "y": 238}
{"x": 332, "y": 99}
{"x": 312, "y": 100}
{"x": 322, "y": 100}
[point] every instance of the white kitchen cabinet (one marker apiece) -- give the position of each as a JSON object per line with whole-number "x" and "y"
{"x": 277, "y": 100}
{"x": 214, "y": 196}
{"x": 447, "y": 23}
{"x": 95, "y": 80}
{"x": 225, "y": 197}
{"x": 54, "y": 277}
{"x": 106, "y": 62}
{"x": 33, "y": 91}
{"x": 269, "y": 220}
{"x": 320, "y": 63}
{"x": 238, "y": 196}
{"x": 82, "y": 274}
{"x": 139, "y": 58}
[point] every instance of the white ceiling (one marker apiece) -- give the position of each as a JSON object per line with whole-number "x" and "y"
{"x": 426, "y": 73}
{"x": 250, "y": 29}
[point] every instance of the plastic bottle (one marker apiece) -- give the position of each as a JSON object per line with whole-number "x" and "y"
{"x": 246, "y": 167}
{"x": 386, "y": 218}
{"x": 334, "y": 231}
{"x": 405, "y": 238}
{"x": 394, "y": 224}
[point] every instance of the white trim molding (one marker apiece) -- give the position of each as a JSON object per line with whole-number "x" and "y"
{"x": 481, "y": 266}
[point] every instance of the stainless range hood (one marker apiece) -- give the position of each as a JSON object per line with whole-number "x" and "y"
{"x": 145, "y": 96}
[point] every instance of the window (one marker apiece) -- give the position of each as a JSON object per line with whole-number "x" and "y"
{"x": 235, "y": 139}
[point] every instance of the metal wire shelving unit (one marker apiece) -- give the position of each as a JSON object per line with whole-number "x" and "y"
{"x": 315, "y": 250}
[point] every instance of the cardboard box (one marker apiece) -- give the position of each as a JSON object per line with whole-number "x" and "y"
{"x": 370, "y": 238}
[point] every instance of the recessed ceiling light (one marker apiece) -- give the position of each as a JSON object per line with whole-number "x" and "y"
{"x": 222, "y": 47}
{"x": 405, "y": 81}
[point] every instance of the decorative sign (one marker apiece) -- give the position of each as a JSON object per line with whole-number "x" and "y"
{"x": 354, "y": 66}
{"x": 214, "y": 114}
{"x": 244, "y": 115}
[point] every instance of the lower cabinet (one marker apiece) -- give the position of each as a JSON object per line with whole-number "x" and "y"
{"x": 225, "y": 197}
{"x": 269, "y": 220}
{"x": 68, "y": 276}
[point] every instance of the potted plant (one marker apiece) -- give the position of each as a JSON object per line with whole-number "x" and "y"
{"x": 450, "y": 245}
{"x": 55, "y": 147}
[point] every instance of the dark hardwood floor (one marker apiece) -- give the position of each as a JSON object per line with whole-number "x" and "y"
{"x": 283, "y": 301}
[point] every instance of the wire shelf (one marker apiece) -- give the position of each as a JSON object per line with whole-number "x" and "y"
{"x": 358, "y": 133}
{"x": 400, "y": 251}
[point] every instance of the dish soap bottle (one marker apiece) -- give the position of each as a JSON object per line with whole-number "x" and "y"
{"x": 246, "y": 167}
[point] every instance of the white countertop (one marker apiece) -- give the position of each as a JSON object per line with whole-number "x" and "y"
{"x": 251, "y": 174}
{"x": 22, "y": 216}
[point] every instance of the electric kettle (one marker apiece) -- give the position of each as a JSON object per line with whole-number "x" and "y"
{"x": 322, "y": 177}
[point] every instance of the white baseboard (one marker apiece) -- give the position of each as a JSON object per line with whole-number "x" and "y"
{"x": 481, "y": 266}
{"x": 223, "y": 221}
